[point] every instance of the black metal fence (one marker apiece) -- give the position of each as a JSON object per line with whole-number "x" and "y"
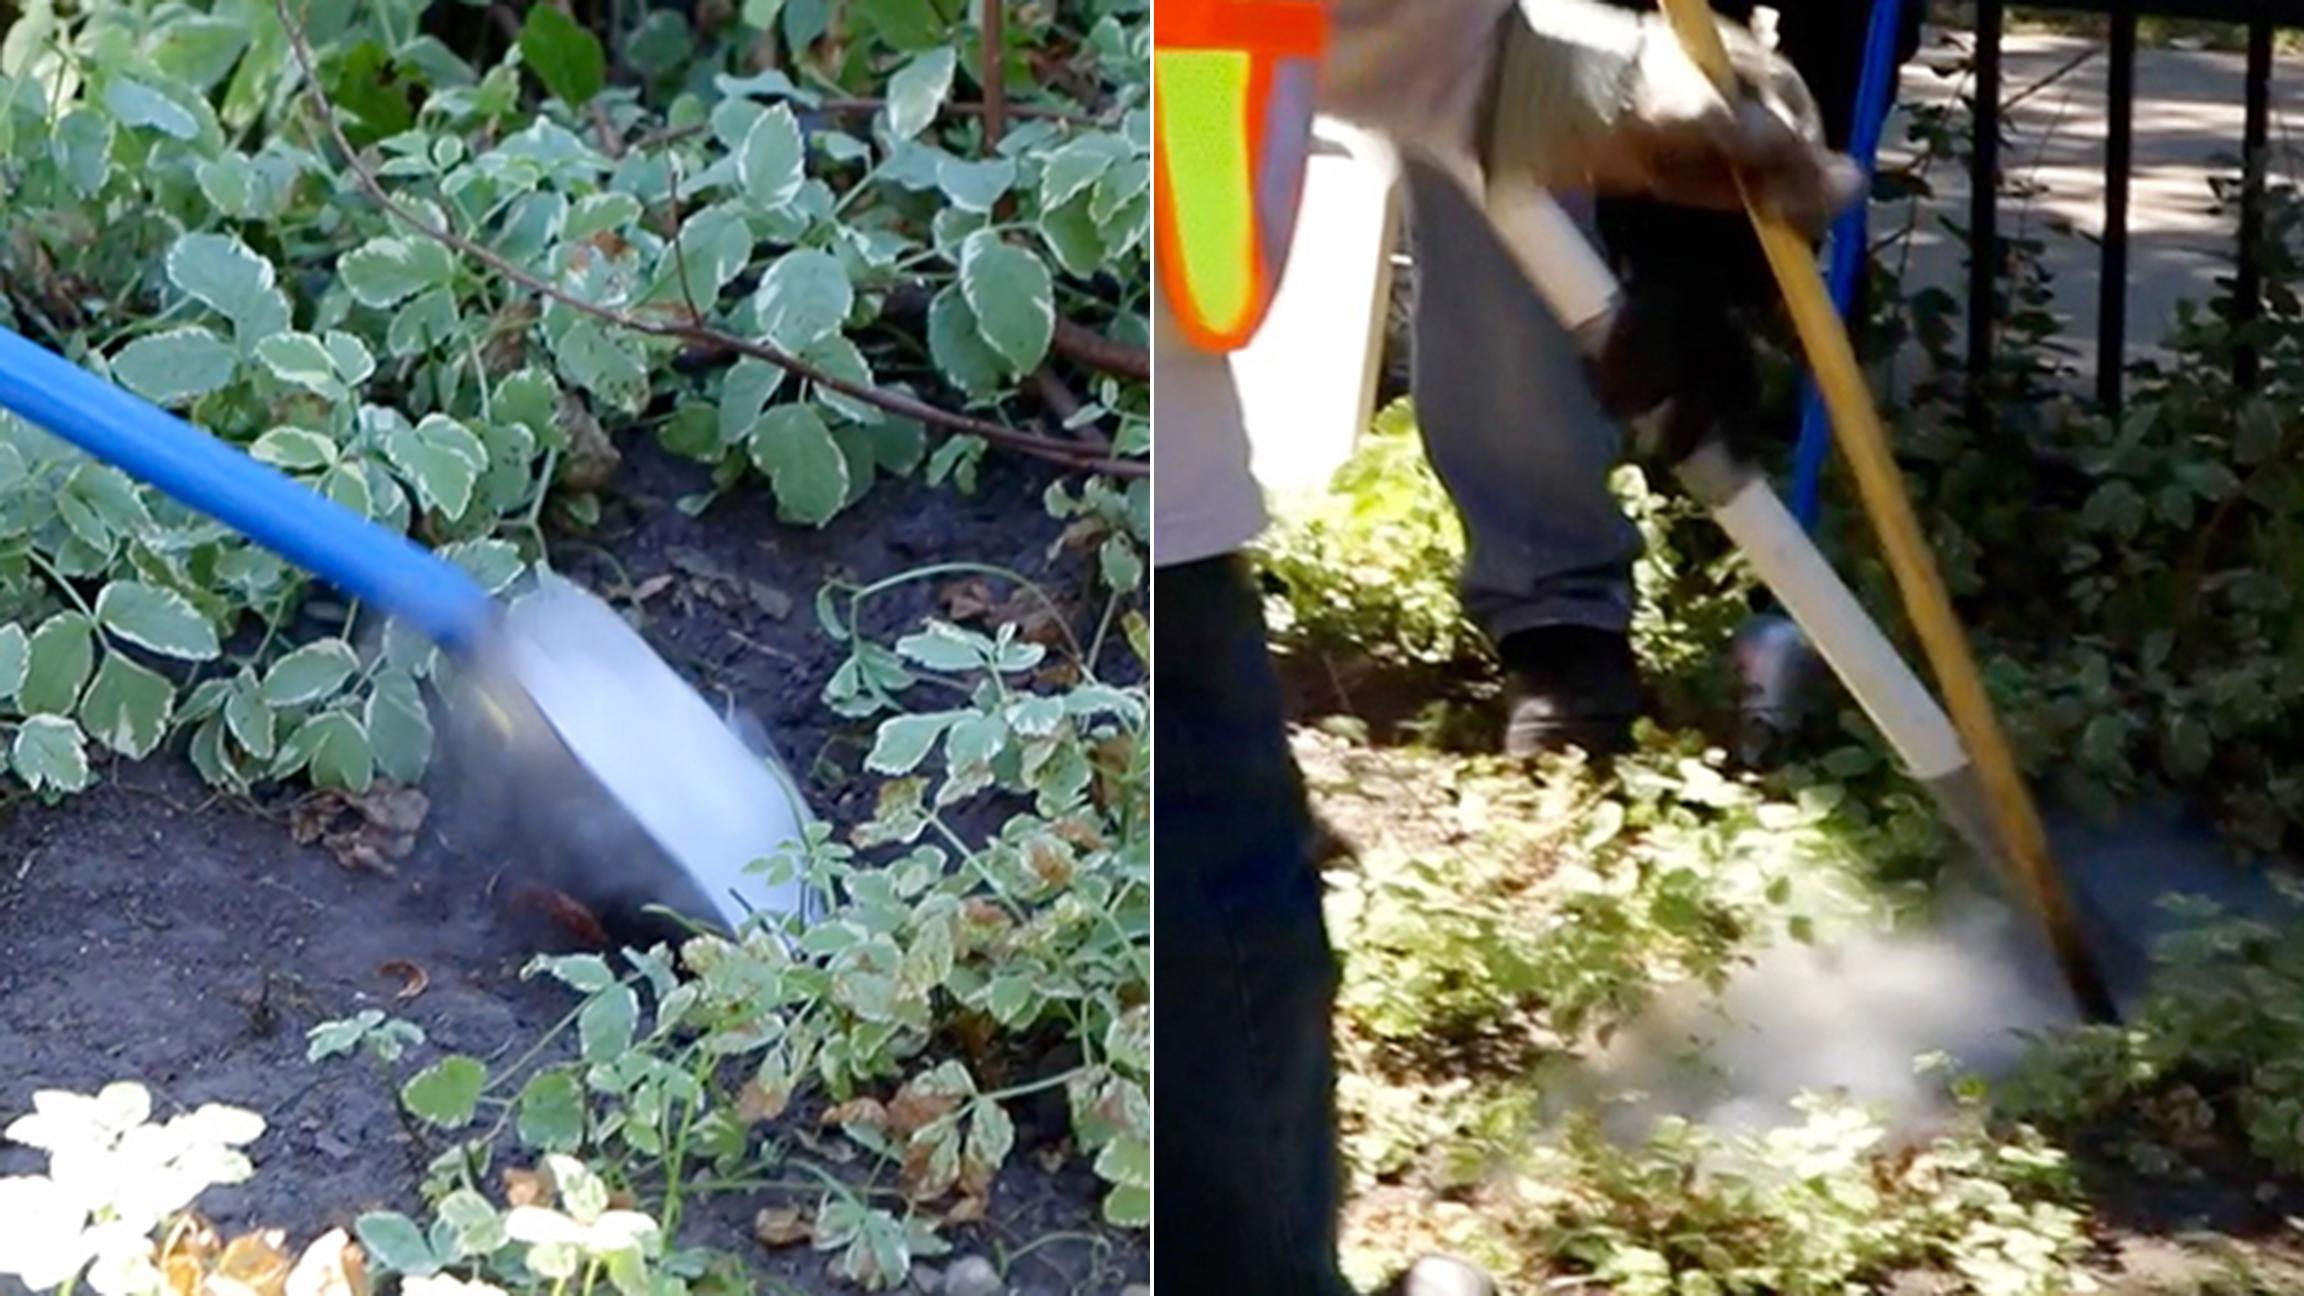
{"x": 2262, "y": 17}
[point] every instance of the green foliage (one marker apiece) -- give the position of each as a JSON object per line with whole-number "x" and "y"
{"x": 1499, "y": 927}
{"x": 1045, "y": 922}
{"x": 1808, "y": 1209}
{"x": 1461, "y": 945}
{"x": 384, "y": 1038}
{"x": 2124, "y": 579}
{"x": 1369, "y": 570}
{"x": 1037, "y": 933}
{"x": 180, "y": 222}
{"x": 1371, "y": 567}
{"x": 2211, "y": 1067}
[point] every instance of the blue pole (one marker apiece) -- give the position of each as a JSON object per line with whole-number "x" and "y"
{"x": 1851, "y": 236}
{"x": 406, "y": 580}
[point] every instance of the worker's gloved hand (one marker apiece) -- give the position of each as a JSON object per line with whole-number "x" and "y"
{"x": 1592, "y": 97}
{"x": 1676, "y": 369}
{"x": 1681, "y": 141}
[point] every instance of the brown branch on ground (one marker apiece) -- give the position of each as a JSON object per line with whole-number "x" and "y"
{"x": 1066, "y": 405}
{"x": 1084, "y": 345}
{"x": 992, "y": 70}
{"x": 1069, "y": 454}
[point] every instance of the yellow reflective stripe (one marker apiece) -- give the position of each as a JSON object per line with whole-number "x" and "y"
{"x": 1202, "y": 98}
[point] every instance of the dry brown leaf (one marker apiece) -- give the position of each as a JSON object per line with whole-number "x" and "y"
{"x": 592, "y": 458}
{"x": 651, "y": 587}
{"x": 369, "y": 831}
{"x": 1079, "y": 831}
{"x": 332, "y": 1266}
{"x": 839, "y": 1151}
{"x": 911, "y": 1109}
{"x": 183, "y": 1254}
{"x": 920, "y": 1176}
{"x": 507, "y": 346}
{"x": 572, "y": 916}
{"x": 1059, "y": 674}
{"x": 859, "y": 1111}
{"x": 783, "y": 1226}
{"x": 756, "y": 1102}
{"x": 967, "y": 599}
{"x": 253, "y": 1264}
{"x": 527, "y": 1187}
{"x": 1053, "y": 866}
{"x": 1082, "y": 535}
{"x": 968, "y": 1210}
{"x": 972, "y": 600}
{"x": 413, "y": 979}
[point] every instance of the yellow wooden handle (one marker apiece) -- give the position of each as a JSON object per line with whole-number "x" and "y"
{"x": 1880, "y": 485}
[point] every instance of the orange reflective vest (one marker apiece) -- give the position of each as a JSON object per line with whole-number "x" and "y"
{"x": 1233, "y": 90}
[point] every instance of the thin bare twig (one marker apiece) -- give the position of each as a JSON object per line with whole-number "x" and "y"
{"x": 680, "y": 250}
{"x": 611, "y": 143}
{"x": 1055, "y": 450}
{"x": 992, "y": 70}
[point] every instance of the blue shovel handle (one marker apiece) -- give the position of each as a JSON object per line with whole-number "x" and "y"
{"x": 1850, "y": 237}
{"x": 431, "y": 594}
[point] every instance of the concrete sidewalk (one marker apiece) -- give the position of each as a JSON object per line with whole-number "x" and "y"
{"x": 2188, "y": 124}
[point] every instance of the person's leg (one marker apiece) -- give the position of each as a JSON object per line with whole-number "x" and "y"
{"x": 1514, "y": 433}
{"x": 1244, "y": 1107}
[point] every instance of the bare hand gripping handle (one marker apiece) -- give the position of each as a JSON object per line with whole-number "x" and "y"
{"x": 409, "y": 582}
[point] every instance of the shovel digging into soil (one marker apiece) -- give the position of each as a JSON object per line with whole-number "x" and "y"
{"x": 645, "y": 799}
{"x": 2100, "y": 914}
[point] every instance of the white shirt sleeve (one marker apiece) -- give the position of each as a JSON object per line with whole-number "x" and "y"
{"x": 1205, "y": 501}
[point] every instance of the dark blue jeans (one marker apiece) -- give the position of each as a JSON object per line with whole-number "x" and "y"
{"x": 1244, "y": 1122}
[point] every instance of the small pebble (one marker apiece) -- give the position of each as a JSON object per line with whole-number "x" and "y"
{"x": 972, "y": 1276}
{"x": 927, "y": 1278}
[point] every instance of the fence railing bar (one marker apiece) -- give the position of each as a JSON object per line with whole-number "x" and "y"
{"x": 1984, "y": 211}
{"x": 2119, "y": 158}
{"x": 2256, "y": 152}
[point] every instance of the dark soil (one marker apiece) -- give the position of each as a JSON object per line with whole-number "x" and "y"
{"x": 150, "y": 931}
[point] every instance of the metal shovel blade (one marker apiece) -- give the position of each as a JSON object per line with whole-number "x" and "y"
{"x": 626, "y": 790}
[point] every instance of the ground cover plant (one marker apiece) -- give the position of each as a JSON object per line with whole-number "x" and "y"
{"x": 810, "y": 335}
